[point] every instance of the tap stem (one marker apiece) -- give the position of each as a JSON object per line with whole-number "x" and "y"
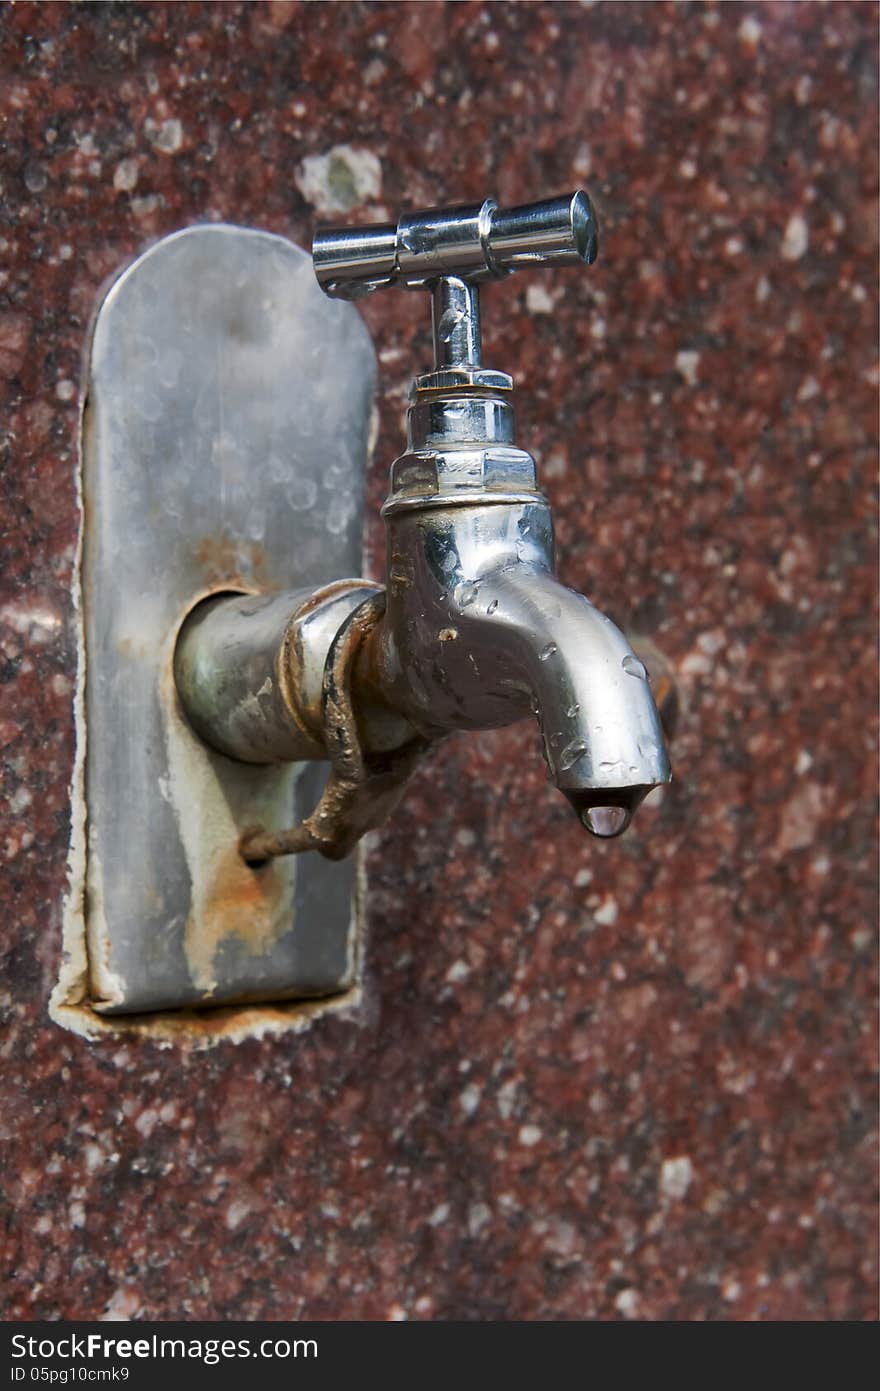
{"x": 455, "y": 312}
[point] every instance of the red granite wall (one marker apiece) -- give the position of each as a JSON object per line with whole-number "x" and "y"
{"x": 589, "y": 1081}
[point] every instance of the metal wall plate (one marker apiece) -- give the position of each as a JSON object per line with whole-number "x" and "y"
{"x": 225, "y": 436}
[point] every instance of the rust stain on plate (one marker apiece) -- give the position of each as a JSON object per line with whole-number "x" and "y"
{"x": 239, "y": 902}
{"x": 227, "y": 560}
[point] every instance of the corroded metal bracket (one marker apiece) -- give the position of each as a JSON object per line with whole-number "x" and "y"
{"x": 225, "y": 432}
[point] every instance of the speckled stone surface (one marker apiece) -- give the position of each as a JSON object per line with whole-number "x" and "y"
{"x": 632, "y": 1080}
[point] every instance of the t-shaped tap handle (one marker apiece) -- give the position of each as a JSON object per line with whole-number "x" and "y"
{"x": 474, "y": 242}
{"x": 451, "y": 251}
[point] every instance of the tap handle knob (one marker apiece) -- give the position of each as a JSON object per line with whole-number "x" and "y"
{"x": 472, "y": 243}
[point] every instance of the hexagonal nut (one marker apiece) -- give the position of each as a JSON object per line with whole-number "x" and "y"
{"x": 500, "y": 468}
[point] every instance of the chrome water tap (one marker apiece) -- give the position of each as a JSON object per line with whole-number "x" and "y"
{"x": 473, "y": 630}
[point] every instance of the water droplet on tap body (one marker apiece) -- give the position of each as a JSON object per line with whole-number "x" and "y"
{"x": 633, "y": 667}
{"x": 571, "y": 754}
{"x": 468, "y": 594}
{"x": 449, "y": 322}
{"x": 547, "y": 651}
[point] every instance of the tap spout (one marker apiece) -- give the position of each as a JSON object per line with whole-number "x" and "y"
{"x": 479, "y": 633}
{"x": 602, "y": 737}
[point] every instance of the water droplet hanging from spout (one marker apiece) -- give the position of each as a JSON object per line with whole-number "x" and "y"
{"x": 606, "y": 822}
{"x": 606, "y": 812}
